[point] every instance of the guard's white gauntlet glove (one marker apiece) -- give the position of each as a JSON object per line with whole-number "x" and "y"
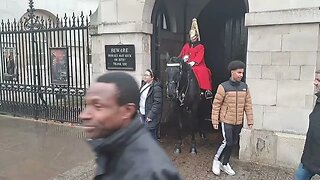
{"x": 186, "y": 58}
{"x": 192, "y": 63}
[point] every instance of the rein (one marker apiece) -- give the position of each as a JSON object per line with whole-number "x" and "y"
{"x": 184, "y": 90}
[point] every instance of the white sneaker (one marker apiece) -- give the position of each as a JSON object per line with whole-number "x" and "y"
{"x": 227, "y": 169}
{"x": 216, "y": 167}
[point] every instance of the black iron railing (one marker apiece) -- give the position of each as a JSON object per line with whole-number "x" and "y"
{"x": 45, "y": 66}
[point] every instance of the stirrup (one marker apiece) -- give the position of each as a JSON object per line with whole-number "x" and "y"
{"x": 208, "y": 94}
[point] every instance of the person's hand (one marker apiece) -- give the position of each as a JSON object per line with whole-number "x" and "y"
{"x": 148, "y": 119}
{"x": 250, "y": 126}
{"x": 186, "y": 58}
{"x": 192, "y": 63}
{"x": 215, "y": 126}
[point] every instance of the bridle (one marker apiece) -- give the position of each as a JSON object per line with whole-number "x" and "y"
{"x": 184, "y": 90}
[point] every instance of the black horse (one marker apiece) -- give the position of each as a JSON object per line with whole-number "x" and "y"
{"x": 185, "y": 97}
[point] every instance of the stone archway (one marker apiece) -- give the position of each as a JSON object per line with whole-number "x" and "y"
{"x": 198, "y": 10}
{"x": 164, "y": 41}
{"x": 119, "y": 26}
{"x": 147, "y": 10}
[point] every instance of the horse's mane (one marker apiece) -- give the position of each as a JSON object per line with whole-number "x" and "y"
{"x": 175, "y": 60}
{"x": 185, "y": 66}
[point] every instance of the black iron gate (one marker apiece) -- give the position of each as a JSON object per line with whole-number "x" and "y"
{"x": 45, "y": 66}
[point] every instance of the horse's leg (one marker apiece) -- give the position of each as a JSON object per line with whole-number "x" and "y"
{"x": 193, "y": 119}
{"x": 193, "y": 148}
{"x": 201, "y": 117}
{"x": 177, "y": 147}
{"x": 204, "y": 108}
{"x": 201, "y": 130}
{"x": 202, "y": 133}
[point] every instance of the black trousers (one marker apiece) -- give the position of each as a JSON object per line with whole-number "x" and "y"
{"x": 230, "y": 135}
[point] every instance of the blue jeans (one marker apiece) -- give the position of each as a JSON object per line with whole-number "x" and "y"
{"x": 302, "y": 173}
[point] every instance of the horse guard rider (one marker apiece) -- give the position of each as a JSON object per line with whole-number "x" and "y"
{"x": 193, "y": 54}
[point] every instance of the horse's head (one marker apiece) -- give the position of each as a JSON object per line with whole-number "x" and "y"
{"x": 175, "y": 70}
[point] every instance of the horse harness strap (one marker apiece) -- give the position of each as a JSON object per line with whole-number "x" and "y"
{"x": 183, "y": 94}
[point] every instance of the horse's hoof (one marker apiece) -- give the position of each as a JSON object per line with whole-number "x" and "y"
{"x": 177, "y": 151}
{"x": 193, "y": 151}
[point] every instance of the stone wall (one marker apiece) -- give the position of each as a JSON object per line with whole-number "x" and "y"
{"x": 121, "y": 22}
{"x": 276, "y": 5}
{"x": 281, "y": 63}
{"x": 283, "y": 54}
{"x": 129, "y": 22}
{"x": 142, "y": 50}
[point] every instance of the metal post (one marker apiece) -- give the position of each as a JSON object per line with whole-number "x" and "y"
{"x": 32, "y": 24}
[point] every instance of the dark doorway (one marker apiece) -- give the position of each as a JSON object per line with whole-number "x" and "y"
{"x": 163, "y": 46}
{"x": 160, "y": 45}
{"x": 224, "y": 35}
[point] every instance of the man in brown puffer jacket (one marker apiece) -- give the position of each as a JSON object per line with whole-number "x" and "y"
{"x": 230, "y": 102}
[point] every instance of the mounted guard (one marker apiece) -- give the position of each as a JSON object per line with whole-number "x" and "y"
{"x": 193, "y": 53}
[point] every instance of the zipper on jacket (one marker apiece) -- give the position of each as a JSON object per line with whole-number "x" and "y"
{"x": 236, "y": 106}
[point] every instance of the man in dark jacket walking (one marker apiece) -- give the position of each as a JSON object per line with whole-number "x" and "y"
{"x": 310, "y": 161}
{"x": 124, "y": 149}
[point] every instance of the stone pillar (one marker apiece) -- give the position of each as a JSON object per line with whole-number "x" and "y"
{"x": 283, "y": 54}
{"x": 119, "y": 22}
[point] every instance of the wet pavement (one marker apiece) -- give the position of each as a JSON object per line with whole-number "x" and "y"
{"x": 37, "y": 151}
{"x": 198, "y": 167}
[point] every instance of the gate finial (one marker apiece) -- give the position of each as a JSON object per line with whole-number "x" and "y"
{"x": 31, "y": 4}
{"x": 32, "y": 21}
{"x": 31, "y": 9}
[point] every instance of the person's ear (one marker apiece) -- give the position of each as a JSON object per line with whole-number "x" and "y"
{"x": 129, "y": 110}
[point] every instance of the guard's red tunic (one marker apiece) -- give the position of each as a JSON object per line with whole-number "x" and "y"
{"x": 196, "y": 54}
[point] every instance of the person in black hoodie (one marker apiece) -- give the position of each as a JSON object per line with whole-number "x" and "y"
{"x": 310, "y": 160}
{"x": 151, "y": 102}
{"x": 123, "y": 147}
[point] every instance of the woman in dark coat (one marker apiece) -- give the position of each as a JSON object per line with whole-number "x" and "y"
{"x": 151, "y": 102}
